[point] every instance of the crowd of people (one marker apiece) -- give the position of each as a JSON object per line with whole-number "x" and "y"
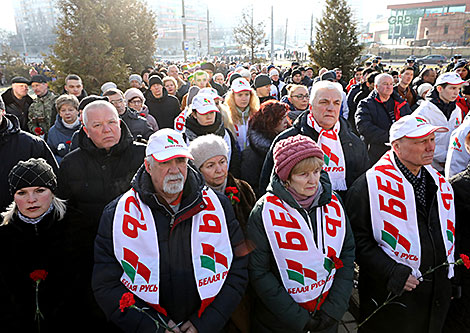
{"x": 237, "y": 198}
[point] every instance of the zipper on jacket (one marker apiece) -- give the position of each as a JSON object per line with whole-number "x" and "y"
{"x": 36, "y": 230}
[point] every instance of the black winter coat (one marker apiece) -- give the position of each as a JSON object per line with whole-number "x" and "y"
{"x": 137, "y": 125}
{"x": 13, "y": 107}
{"x": 164, "y": 109}
{"x": 17, "y": 145}
{"x": 178, "y": 291}
{"x": 253, "y": 158}
{"x": 353, "y": 92}
{"x": 458, "y": 318}
{"x": 373, "y": 122}
{"x": 89, "y": 178}
{"x": 354, "y": 150}
{"x": 427, "y": 305}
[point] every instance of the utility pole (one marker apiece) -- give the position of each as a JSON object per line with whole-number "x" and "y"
{"x": 311, "y": 30}
{"x": 183, "y": 19}
{"x": 285, "y": 36}
{"x": 272, "y": 34}
{"x": 208, "y": 39}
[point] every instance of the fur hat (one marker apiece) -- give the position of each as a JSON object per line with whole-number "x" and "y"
{"x": 288, "y": 152}
{"x": 207, "y": 146}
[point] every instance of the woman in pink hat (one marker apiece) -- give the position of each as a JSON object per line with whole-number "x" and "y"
{"x": 302, "y": 266}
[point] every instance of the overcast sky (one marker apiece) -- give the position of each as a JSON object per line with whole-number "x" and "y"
{"x": 298, "y": 12}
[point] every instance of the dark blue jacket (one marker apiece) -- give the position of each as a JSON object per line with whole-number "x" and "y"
{"x": 373, "y": 122}
{"x": 59, "y": 138}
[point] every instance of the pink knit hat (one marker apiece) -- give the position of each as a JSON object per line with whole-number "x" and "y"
{"x": 288, "y": 152}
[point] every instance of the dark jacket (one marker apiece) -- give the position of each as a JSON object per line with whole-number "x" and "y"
{"x": 17, "y": 145}
{"x": 373, "y": 122}
{"x": 194, "y": 130}
{"x": 54, "y": 246}
{"x": 275, "y": 309}
{"x": 427, "y": 305}
{"x": 253, "y": 158}
{"x": 16, "y": 107}
{"x": 354, "y": 150}
{"x": 164, "y": 109}
{"x": 220, "y": 90}
{"x": 59, "y": 138}
{"x": 137, "y": 125}
{"x": 458, "y": 317}
{"x": 355, "y": 89}
{"x": 247, "y": 199}
{"x": 89, "y": 177}
{"x": 178, "y": 292}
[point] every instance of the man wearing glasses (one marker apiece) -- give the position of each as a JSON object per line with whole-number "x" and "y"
{"x": 138, "y": 126}
{"x": 345, "y": 154}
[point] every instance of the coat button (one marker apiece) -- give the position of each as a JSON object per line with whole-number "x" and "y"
{"x": 103, "y": 167}
{"x": 438, "y": 303}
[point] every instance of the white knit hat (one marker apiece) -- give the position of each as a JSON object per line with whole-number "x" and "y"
{"x": 207, "y": 146}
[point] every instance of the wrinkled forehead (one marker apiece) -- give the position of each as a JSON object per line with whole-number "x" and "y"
{"x": 330, "y": 94}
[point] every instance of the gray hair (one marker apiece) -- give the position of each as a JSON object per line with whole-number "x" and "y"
{"x": 316, "y": 87}
{"x": 59, "y": 205}
{"x": 97, "y": 105}
{"x": 380, "y": 77}
{"x": 66, "y": 99}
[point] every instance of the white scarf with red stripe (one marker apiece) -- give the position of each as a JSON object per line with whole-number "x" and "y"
{"x": 393, "y": 213}
{"x": 303, "y": 262}
{"x": 329, "y": 141}
{"x": 135, "y": 242}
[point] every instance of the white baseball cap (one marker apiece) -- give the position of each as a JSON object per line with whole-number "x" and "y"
{"x": 167, "y": 144}
{"x": 204, "y": 103}
{"x": 240, "y": 84}
{"x": 210, "y": 91}
{"x": 451, "y": 78}
{"x": 413, "y": 127}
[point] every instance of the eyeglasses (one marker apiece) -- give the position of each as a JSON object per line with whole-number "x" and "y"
{"x": 301, "y": 96}
{"x": 135, "y": 102}
{"x": 117, "y": 101}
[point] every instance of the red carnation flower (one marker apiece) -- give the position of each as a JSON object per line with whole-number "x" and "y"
{"x": 231, "y": 189}
{"x": 38, "y": 131}
{"x": 38, "y": 274}
{"x": 338, "y": 262}
{"x": 68, "y": 142}
{"x": 466, "y": 260}
{"x": 142, "y": 114}
{"x": 126, "y": 301}
{"x": 236, "y": 199}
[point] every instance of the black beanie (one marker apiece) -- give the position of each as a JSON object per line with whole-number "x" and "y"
{"x": 33, "y": 172}
{"x": 155, "y": 79}
{"x": 89, "y": 99}
{"x": 233, "y": 77}
{"x": 262, "y": 80}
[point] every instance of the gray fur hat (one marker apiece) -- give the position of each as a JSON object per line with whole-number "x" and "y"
{"x": 207, "y": 146}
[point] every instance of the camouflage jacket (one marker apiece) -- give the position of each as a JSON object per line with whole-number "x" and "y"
{"x": 42, "y": 112}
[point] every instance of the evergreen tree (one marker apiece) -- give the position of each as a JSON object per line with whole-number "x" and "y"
{"x": 249, "y": 34}
{"x": 336, "y": 43}
{"x": 102, "y": 40}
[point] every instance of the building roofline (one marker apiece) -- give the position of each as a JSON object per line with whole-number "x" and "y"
{"x": 428, "y": 4}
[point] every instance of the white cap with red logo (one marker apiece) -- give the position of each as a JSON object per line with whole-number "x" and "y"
{"x": 167, "y": 144}
{"x": 240, "y": 84}
{"x": 204, "y": 104}
{"x": 450, "y": 78}
{"x": 413, "y": 127}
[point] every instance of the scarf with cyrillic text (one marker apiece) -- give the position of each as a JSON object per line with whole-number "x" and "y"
{"x": 303, "y": 262}
{"x": 393, "y": 213}
{"x": 329, "y": 141}
{"x": 136, "y": 248}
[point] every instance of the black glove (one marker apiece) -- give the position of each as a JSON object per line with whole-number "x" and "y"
{"x": 319, "y": 322}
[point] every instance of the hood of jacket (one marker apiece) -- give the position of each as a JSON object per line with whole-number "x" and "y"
{"x": 59, "y": 125}
{"x": 10, "y": 125}
{"x": 259, "y": 142}
{"x": 85, "y": 143}
{"x": 152, "y": 99}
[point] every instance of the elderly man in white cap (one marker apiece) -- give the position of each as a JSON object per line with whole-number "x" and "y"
{"x": 173, "y": 243}
{"x": 440, "y": 109}
{"x": 402, "y": 214}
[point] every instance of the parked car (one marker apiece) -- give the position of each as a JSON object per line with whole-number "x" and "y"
{"x": 432, "y": 59}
